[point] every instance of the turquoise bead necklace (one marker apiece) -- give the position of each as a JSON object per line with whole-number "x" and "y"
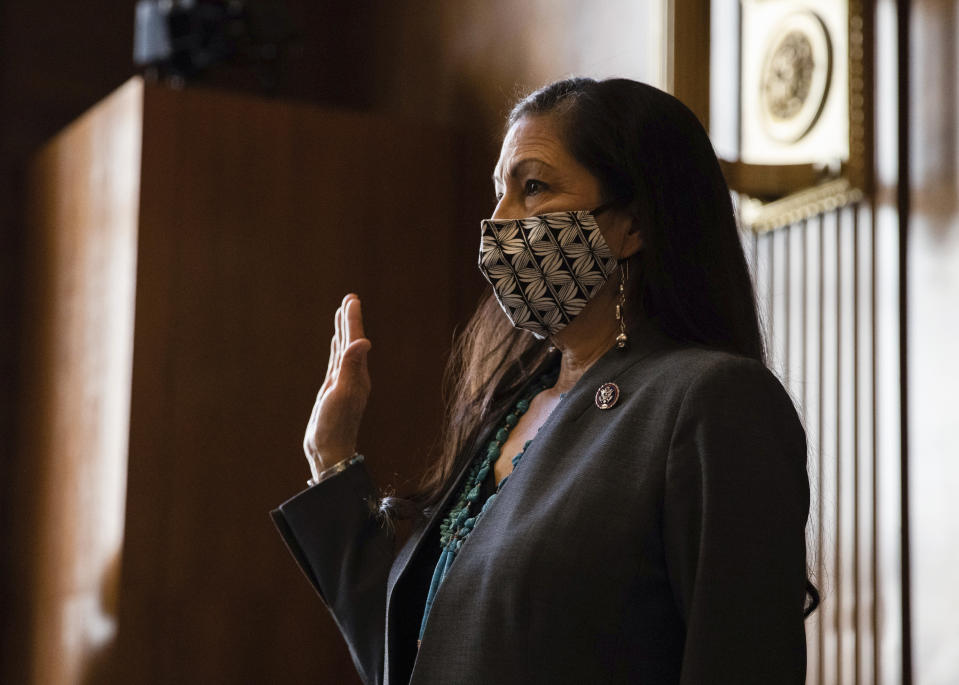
{"x": 457, "y": 526}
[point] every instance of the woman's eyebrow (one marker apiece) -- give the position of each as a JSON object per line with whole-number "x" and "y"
{"x": 519, "y": 165}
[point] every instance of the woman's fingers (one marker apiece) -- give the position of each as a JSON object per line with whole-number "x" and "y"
{"x": 338, "y": 328}
{"x": 353, "y": 359}
{"x": 354, "y": 319}
{"x": 348, "y": 329}
{"x": 343, "y": 330}
{"x": 328, "y": 379}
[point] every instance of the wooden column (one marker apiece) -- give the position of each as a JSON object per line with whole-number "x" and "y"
{"x": 688, "y": 54}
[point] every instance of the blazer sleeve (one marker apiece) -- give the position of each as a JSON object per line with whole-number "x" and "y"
{"x": 735, "y": 507}
{"x": 346, "y": 554}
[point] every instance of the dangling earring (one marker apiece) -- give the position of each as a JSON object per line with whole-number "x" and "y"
{"x": 622, "y": 338}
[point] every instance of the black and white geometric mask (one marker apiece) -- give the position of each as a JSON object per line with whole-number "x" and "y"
{"x": 545, "y": 268}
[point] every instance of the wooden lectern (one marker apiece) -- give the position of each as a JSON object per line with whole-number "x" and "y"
{"x": 187, "y": 252}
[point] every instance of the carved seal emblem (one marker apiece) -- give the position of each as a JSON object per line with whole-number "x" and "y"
{"x": 795, "y": 76}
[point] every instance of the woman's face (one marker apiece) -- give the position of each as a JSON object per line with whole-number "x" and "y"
{"x": 535, "y": 173}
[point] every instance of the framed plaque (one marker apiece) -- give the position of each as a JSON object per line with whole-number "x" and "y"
{"x": 805, "y": 109}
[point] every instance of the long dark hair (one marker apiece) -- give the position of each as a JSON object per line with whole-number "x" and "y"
{"x": 649, "y": 152}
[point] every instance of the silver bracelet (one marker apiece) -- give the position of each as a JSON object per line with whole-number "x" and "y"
{"x": 338, "y": 467}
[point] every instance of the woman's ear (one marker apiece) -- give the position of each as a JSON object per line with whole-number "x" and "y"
{"x": 624, "y": 230}
{"x": 630, "y": 238}
{"x": 633, "y": 242}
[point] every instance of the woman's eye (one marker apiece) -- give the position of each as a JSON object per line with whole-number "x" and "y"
{"x": 532, "y": 186}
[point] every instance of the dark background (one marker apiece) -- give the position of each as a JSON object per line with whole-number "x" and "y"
{"x": 455, "y": 65}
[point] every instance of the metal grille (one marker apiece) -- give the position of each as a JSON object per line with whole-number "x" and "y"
{"x": 826, "y": 290}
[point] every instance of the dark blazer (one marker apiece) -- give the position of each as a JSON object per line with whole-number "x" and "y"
{"x": 659, "y": 541}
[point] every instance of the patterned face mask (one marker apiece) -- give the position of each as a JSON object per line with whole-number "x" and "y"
{"x": 545, "y": 268}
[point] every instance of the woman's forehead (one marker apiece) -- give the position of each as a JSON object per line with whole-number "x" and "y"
{"x": 532, "y": 140}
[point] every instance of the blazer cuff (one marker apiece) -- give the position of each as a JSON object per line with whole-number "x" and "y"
{"x": 331, "y": 509}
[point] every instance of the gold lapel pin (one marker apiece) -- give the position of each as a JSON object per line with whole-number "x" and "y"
{"x": 607, "y": 395}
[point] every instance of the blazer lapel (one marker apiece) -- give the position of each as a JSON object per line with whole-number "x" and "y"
{"x": 416, "y": 539}
{"x": 402, "y": 562}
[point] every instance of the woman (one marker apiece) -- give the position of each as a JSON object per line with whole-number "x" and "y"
{"x": 653, "y": 530}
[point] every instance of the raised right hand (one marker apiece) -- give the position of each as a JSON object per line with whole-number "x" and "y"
{"x": 335, "y": 422}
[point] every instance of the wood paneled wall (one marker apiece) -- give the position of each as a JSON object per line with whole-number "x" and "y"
{"x": 253, "y": 219}
{"x": 256, "y": 219}
{"x": 831, "y": 289}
